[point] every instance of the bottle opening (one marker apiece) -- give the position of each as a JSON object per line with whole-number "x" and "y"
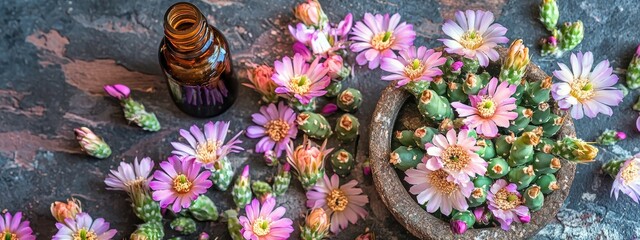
{"x": 182, "y": 18}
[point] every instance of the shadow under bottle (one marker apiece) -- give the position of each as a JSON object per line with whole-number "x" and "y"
{"x": 196, "y": 61}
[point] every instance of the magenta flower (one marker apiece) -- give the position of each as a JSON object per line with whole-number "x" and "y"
{"x": 13, "y": 228}
{"x": 276, "y": 126}
{"x": 474, "y": 35}
{"x": 329, "y": 109}
{"x": 303, "y": 50}
{"x": 118, "y": 91}
{"x": 505, "y": 203}
{"x": 628, "y": 179}
{"x": 265, "y": 223}
{"x": 491, "y": 108}
{"x": 413, "y": 65}
{"x": 129, "y": 176}
{"x": 300, "y": 80}
{"x": 437, "y": 189}
{"x": 208, "y": 147}
{"x": 179, "y": 182}
{"x": 583, "y": 91}
{"x": 343, "y": 204}
{"x": 455, "y": 155}
{"x": 84, "y": 227}
{"x": 377, "y": 36}
{"x": 343, "y": 28}
{"x": 302, "y": 33}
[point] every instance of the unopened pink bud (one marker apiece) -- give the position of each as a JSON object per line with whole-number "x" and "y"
{"x": 553, "y": 41}
{"x": 118, "y": 91}
{"x": 458, "y": 227}
{"x": 329, "y": 109}
{"x": 245, "y": 171}
{"x": 270, "y": 158}
{"x": 456, "y": 66}
{"x": 525, "y": 218}
{"x": 621, "y": 135}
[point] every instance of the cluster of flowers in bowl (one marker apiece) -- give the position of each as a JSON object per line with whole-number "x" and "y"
{"x": 490, "y": 150}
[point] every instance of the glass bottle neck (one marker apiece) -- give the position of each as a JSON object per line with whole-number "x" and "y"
{"x": 186, "y": 29}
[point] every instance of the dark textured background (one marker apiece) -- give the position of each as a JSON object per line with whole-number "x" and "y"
{"x": 56, "y": 55}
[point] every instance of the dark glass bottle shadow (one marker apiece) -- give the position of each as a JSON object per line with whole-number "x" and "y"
{"x": 196, "y": 61}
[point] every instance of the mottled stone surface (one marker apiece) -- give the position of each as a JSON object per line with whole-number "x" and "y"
{"x": 57, "y": 54}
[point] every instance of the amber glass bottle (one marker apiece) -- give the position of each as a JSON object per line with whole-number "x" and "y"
{"x": 196, "y": 61}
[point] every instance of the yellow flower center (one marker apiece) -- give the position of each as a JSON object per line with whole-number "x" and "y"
{"x": 85, "y": 234}
{"x": 277, "y": 129}
{"x": 414, "y": 70}
{"x": 382, "y": 41}
{"x": 181, "y": 184}
{"x": 206, "y": 152}
{"x": 629, "y": 174}
{"x": 6, "y": 235}
{"x": 438, "y": 179}
{"x": 471, "y": 40}
{"x": 300, "y": 84}
{"x": 337, "y": 200}
{"x": 261, "y": 227}
{"x": 455, "y": 157}
{"x": 506, "y": 200}
{"x": 486, "y": 108}
{"x": 582, "y": 89}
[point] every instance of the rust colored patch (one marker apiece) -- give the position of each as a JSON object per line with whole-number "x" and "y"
{"x": 112, "y": 24}
{"x": 10, "y": 102}
{"x": 88, "y": 76}
{"x": 448, "y": 8}
{"x": 23, "y": 146}
{"x": 91, "y": 76}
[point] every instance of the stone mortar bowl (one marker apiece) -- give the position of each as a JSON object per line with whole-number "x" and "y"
{"x": 393, "y": 109}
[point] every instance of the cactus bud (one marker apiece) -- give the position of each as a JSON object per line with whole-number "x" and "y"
{"x": 314, "y": 125}
{"x": 347, "y": 128}
{"x": 533, "y": 198}
{"x": 461, "y": 221}
{"x": 497, "y": 168}
{"x": 455, "y": 92}
{"x": 308, "y": 160}
{"x": 146, "y": 208}
{"x": 405, "y": 137}
{"x": 311, "y": 14}
{"x": 148, "y": 231}
{"x": 551, "y": 127}
{"x": 487, "y": 150}
{"x": 547, "y": 183}
{"x": 342, "y": 162}
{"x": 503, "y": 145}
{"x": 281, "y": 180}
{"x": 478, "y": 197}
{"x": 203, "y": 236}
{"x": 439, "y": 85}
{"x": 133, "y": 110}
{"x": 515, "y": 63}
{"x": 366, "y": 167}
{"x": 423, "y": 135}
{"x": 316, "y": 225}
{"x": 549, "y": 14}
{"x": 91, "y": 143}
{"x": 545, "y": 163}
{"x": 367, "y": 235}
{"x": 610, "y": 137}
{"x": 456, "y": 66}
{"x": 203, "y": 209}
{"x": 524, "y": 118}
{"x": 483, "y": 216}
{"x": 545, "y": 145}
{"x": 242, "y": 190}
{"x": 572, "y": 35}
{"x": 538, "y": 92}
{"x": 233, "y": 224}
{"x": 522, "y": 176}
{"x": 329, "y": 108}
{"x": 271, "y": 158}
{"x": 221, "y": 174}
{"x": 522, "y": 149}
{"x": 183, "y": 225}
{"x": 404, "y": 158}
{"x": 349, "y": 100}
{"x": 482, "y": 182}
{"x": 633, "y": 72}
{"x": 451, "y": 69}
{"x": 612, "y": 168}
{"x": 61, "y": 211}
{"x": 541, "y": 114}
{"x": 333, "y": 89}
{"x": 550, "y": 45}
{"x": 472, "y": 84}
{"x": 262, "y": 190}
{"x": 470, "y": 65}
{"x": 575, "y": 150}
{"x": 434, "y": 106}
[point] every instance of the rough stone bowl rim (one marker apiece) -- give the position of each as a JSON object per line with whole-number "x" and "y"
{"x": 403, "y": 205}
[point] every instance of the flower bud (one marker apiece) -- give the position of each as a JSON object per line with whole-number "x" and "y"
{"x": 549, "y": 14}
{"x": 533, "y": 198}
{"x": 222, "y": 174}
{"x": 203, "y": 209}
{"x": 308, "y": 160}
{"x": 203, "y": 236}
{"x": 91, "y": 143}
{"x": 610, "y": 137}
{"x": 575, "y": 150}
{"x": 524, "y": 218}
{"x": 347, "y": 128}
{"x": 487, "y": 149}
{"x": 349, "y": 100}
{"x": 262, "y": 190}
{"x": 461, "y": 221}
{"x": 316, "y": 225}
{"x": 260, "y": 81}
{"x": 270, "y": 158}
{"x": 342, "y": 162}
{"x": 515, "y": 64}
{"x": 503, "y": 145}
{"x": 633, "y": 71}
{"x": 281, "y": 180}
{"x": 118, "y": 91}
{"x": 133, "y": 110}
{"x": 456, "y": 66}
{"x": 61, "y": 211}
{"x": 329, "y": 109}
{"x": 242, "y": 190}
{"x": 334, "y": 64}
{"x": 310, "y": 13}
{"x": 483, "y": 215}
{"x": 366, "y": 167}
{"x": 303, "y": 50}
{"x": 183, "y": 225}
{"x": 572, "y": 35}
